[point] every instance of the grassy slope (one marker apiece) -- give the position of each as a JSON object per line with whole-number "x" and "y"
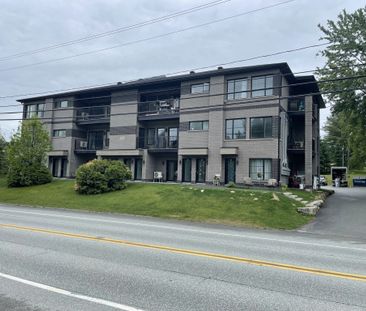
{"x": 169, "y": 201}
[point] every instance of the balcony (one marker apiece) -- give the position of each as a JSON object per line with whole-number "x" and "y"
{"x": 91, "y": 145}
{"x": 93, "y": 115}
{"x": 159, "y": 110}
{"x": 159, "y": 145}
{"x": 296, "y": 106}
{"x": 296, "y": 145}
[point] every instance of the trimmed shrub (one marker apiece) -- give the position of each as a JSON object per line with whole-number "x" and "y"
{"x": 99, "y": 176}
{"x": 27, "y": 175}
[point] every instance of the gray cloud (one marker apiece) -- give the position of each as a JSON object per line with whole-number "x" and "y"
{"x": 31, "y": 24}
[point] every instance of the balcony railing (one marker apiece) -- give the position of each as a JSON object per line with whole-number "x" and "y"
{"x": 93, "y": 114}
{"x": 296, "y": 105}
{"x": 296, "y": 144}
{"x": 85, "y": 146}
{"x": 159, "y": 143}
{"x": 160, "y": 108}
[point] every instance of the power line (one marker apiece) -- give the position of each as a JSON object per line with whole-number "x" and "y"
{"x": 207, "y": 95}
{"x": 194, "y": 96}
{"x": 234, "y": 103}
{"x": 174, "y": 73}
{"x": 115, "y": 31}
{"x": 146, "y": 39}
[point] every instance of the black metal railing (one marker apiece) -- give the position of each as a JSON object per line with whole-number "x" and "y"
{"x": 91, "y": 145}
{"x": 93, "y": 113}
{"x": 159, "y": 107}
{"x": 158, "y": 143}
{"x": 296, "y": 144}
{"x": 296, "y": 105}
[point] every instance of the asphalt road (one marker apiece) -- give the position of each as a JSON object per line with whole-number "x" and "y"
{"x": 344, "y": 214}
{"x": 65, "y": 260}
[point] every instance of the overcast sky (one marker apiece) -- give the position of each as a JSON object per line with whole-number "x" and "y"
{"x": 30, "y": 24}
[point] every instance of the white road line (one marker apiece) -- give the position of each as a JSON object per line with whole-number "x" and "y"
{"x": 183, "y": 229}
{"x": 70, "y": 294}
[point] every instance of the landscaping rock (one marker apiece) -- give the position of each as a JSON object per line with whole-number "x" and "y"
{"x": 298, "y": 199}
{"x": 275, "y": 197}
{"x": 308, "y": 210}
{"x": 304, "y": 202}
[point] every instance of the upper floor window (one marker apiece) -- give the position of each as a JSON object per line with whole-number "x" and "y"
{"x": 35, "y": 110}
{"x": 235, "y": 129}
{"x": 198, "y": 126}
{"x": 237, "y": 89}
{"x": 62, "y": 103}
{"x": 200, "y": 88}
{"x": 59, "y": 133}
{"x": 262, "y": 86}
{"x": 261, "y": 127}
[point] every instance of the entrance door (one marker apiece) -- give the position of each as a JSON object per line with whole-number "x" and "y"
{"x": 201, "y": 170}
{"x": 63, "y": 167}
{"x": 230, "y": 168}
{"x": 54, "y": 167}
{"x": 186, "y": 169}
{"x": 138, "y": 169}
{"x": 171, "y": 170}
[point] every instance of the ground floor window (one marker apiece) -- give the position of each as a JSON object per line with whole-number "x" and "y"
{"x": 260, "y": 169}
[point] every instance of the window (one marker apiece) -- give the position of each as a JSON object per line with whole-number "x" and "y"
{"x": 198, "y": 126}
{"x": 260, "y": 169}
{"x": 237, "y": 89}
{"x": 35, "y": 110}
{"x": 235, "y": 129}
{"x": 151, "y": 136}
{"x": 261, "y": 127}
{"x": 200, "y": 88}
{"x": 262, "y": 86}
{"x": 59, "y": 133}
{"x": 62, "y": 104}
{"x": 173, "y": 137}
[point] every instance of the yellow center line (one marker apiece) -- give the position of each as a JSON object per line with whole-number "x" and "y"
{"x": 263, "y": 263}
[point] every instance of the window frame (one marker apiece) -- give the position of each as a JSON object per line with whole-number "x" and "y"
{"x": 264, "y": 132}
{"x": 205, "y": 88}
{"x": 233, "y": 129}
{"x": 35, "y": 113}
{"x": 265, "y": 89}
{"x": 202, "y": 122}
{"x": 58, "y": 131}
{"x": 58, "y": 103}
{"x": 264, "y": 172}
{"x": 233, "y": 95}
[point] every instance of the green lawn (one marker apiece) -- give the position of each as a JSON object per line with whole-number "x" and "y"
{"x": 240, "y": 208}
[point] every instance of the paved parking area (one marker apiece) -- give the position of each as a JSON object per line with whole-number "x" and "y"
{"x": 344, "y": 214}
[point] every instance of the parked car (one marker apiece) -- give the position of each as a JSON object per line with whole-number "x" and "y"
{"x": 323, "y": 181}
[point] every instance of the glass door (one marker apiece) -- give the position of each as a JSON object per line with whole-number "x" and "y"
{"x": 230, "y": 169}
{"x": 201, "y": 170}
{"x": 171, "y": 174}
{"x": 138, "y": 169}
{"x": 186, "y": 169}
{"x": 161, "y": 138}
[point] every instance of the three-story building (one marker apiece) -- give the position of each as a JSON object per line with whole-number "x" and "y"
{"x": 245, "y": 124}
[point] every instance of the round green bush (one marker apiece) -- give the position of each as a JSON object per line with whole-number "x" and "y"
{"x": 99, "y": 176}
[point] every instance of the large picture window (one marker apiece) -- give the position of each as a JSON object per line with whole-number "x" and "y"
{"x": 59, "y": 133}
{"x": 237, "y": 89}
{"x": 35, "y": 110}
{"x": 262, "y": 86}
{"x": 260, "y": 169}
{"x": 261, "y": 127}
{"x": 235, "y": 129}
{"x": 200, "y": 88}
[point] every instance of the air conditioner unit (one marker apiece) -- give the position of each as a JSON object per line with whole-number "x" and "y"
{"x": 83, "y": 144}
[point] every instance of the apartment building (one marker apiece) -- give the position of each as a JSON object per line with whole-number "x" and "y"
{"x": 251, "y": 123}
